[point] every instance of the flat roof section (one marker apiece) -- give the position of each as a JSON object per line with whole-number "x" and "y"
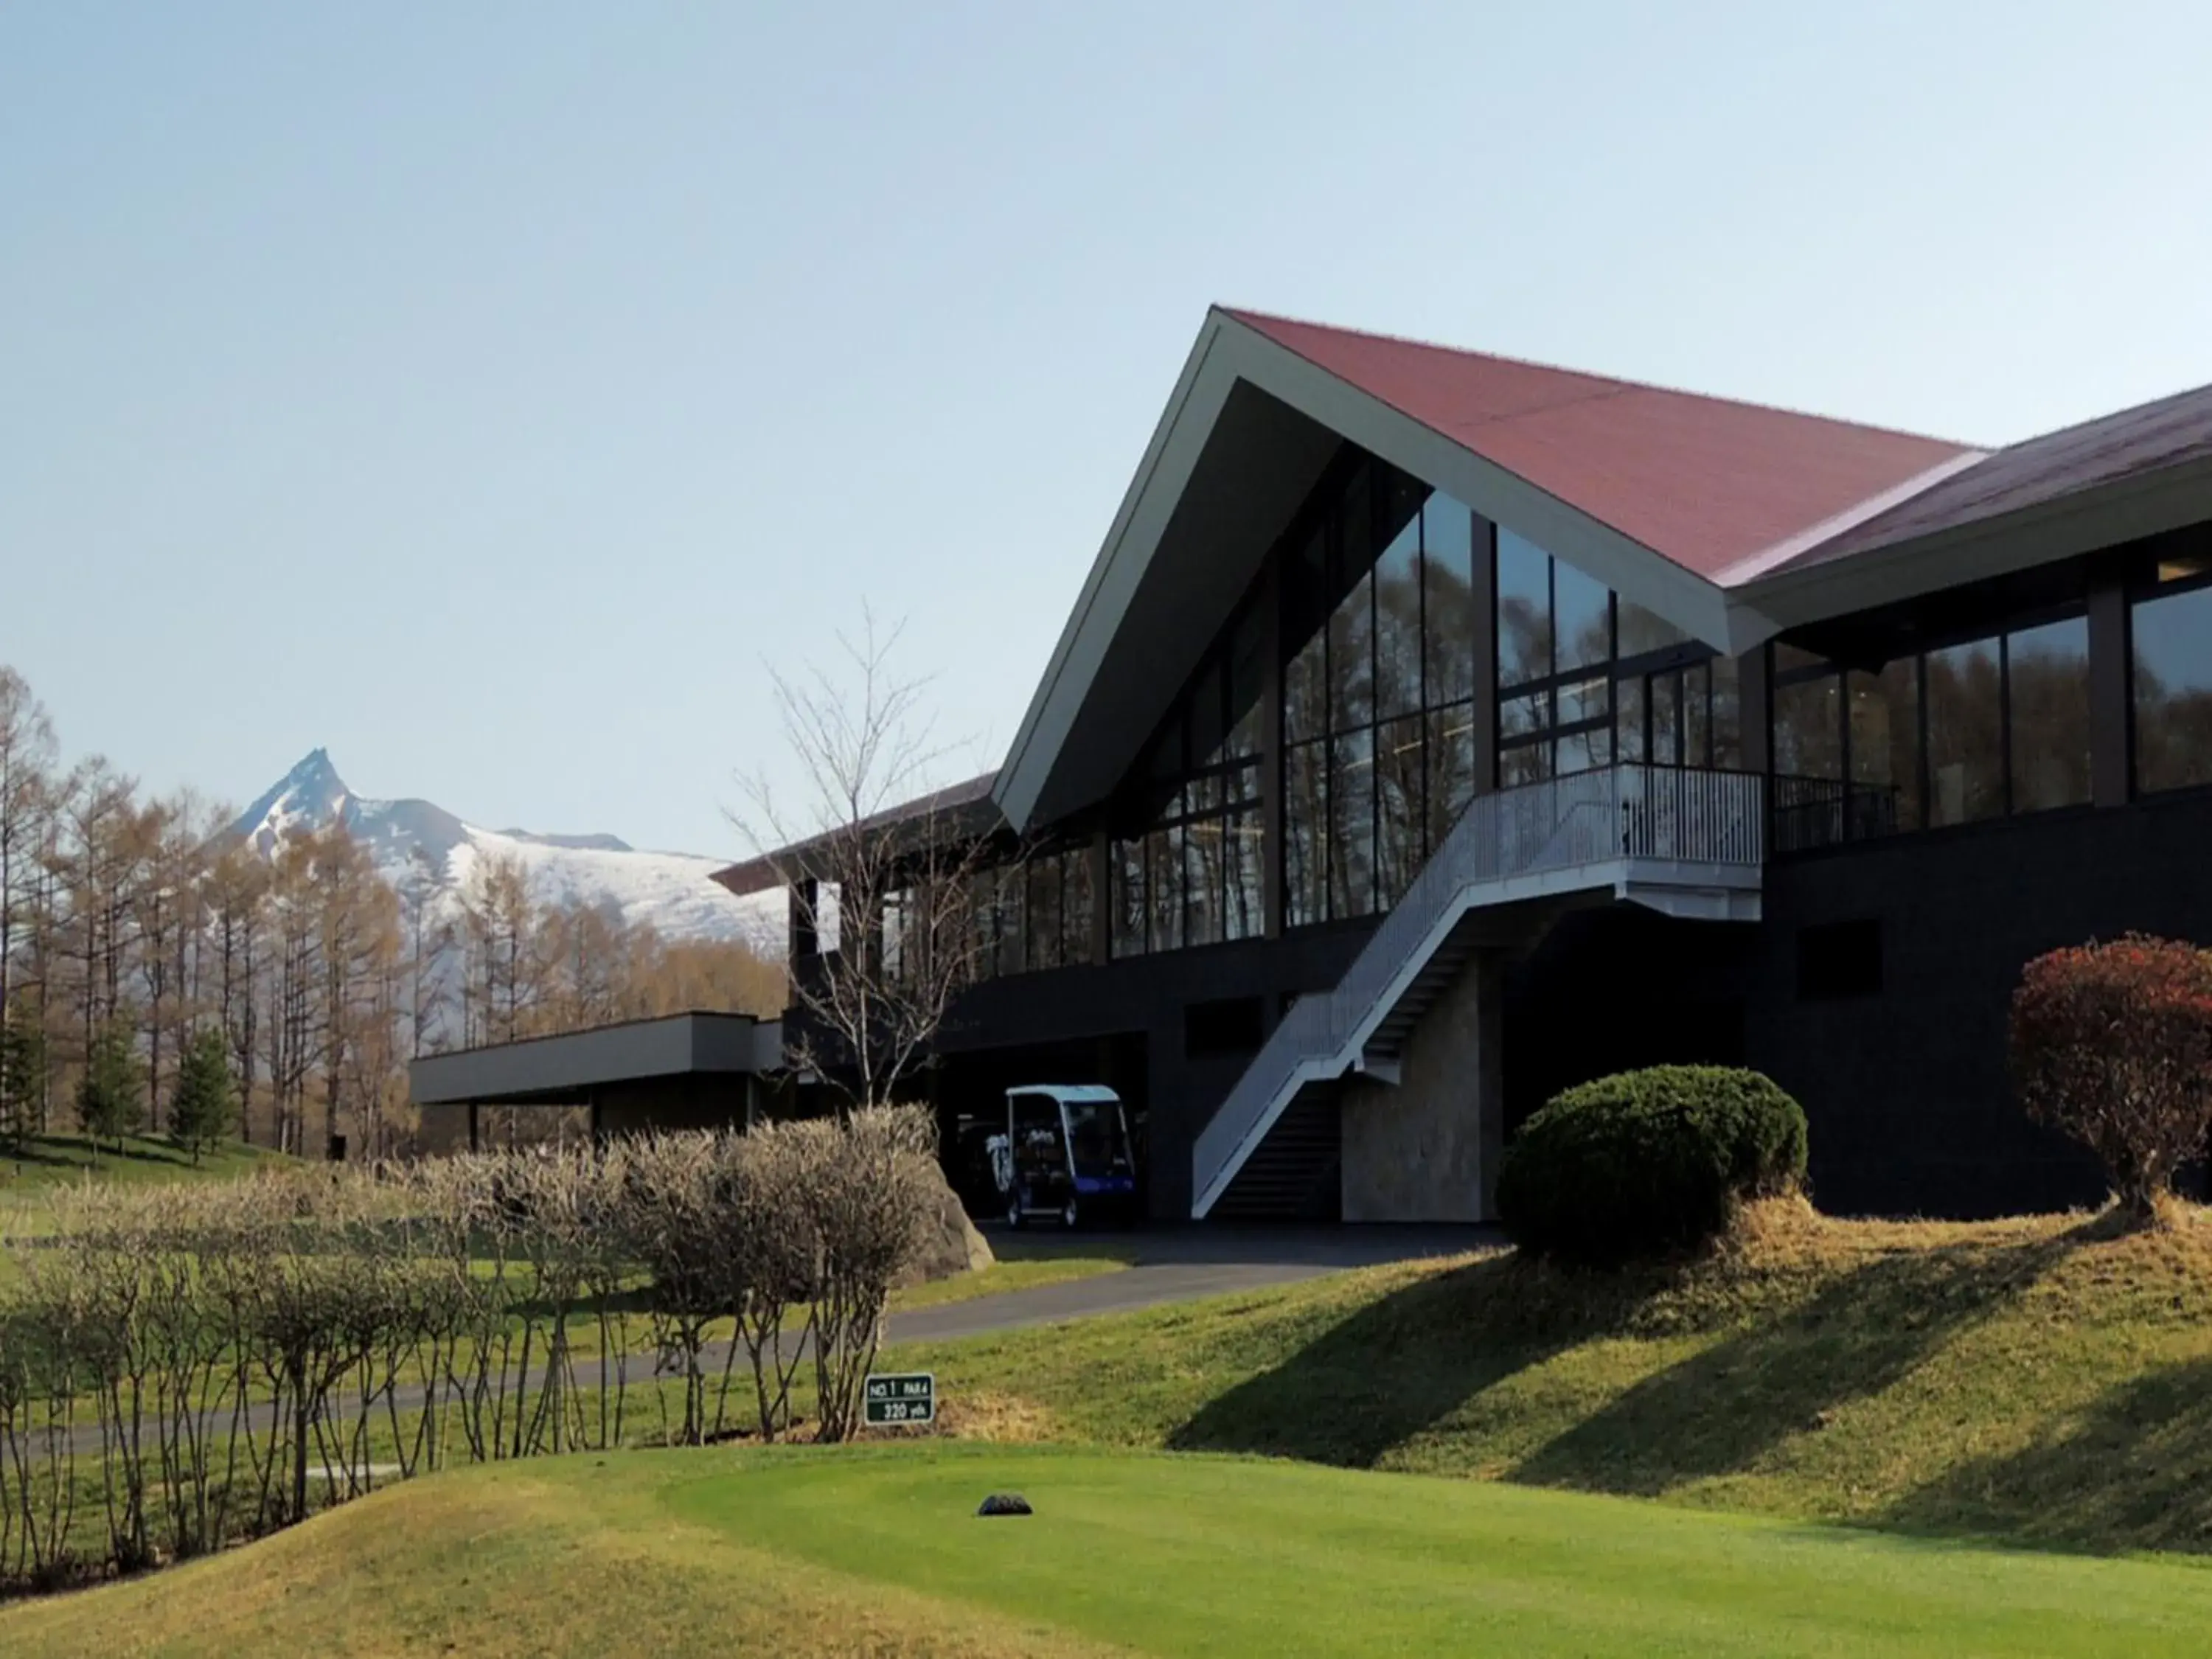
{"x": 965, "y": 809}
{"x": 540, "y": 1071}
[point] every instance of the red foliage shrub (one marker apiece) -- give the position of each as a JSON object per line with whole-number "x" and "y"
{"x": 2112, "y": 1045}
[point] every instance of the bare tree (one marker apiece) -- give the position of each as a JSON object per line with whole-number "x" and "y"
{"x": 358, "y": 944}
{"x": 878, "y": 862}
{"x": 237, "y": 902}
{"x": 168, "y": 838}
{"x": 26, "y": 761}
{"x": 502, "y": 980}
{"x": 425, "y": 941}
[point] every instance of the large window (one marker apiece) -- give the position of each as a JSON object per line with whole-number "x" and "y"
{"x": 1883, "y": 710}
{"x": 994, "y": 908}
{"x": 1677, "y": 716}
{"x": 2171, "y": 624}
{"x": 1024, "y": 917}
{"x": 1379, "y": 634}
{"x": 1554, "y": 666}
{"x": 1057, "y": 906}
{"x": 1191, "y": 874}
{"x": 1978, "y": 730}
{"x": 2047, "y": 715}
{"x": 1585, "y": 679}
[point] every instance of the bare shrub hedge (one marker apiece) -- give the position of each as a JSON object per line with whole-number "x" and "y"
{"x": 181, "y": 1367}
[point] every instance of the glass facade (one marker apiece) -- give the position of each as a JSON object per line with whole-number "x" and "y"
{"x": 1387, "y": 597}
{"x": 1026, "y": 917}
{"x": 1586, "y": 679}
{"x": 1984, "y": 729}
{"x": 2170, "y": 626}
{"x": 1191, "y": 874}
{"x": 2047, "y": 715}
{"x": 1379, "y": 608}
{"x": 1383, "y": 588}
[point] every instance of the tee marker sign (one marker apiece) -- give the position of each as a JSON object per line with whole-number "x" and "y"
{"x": 901, "y": 1399}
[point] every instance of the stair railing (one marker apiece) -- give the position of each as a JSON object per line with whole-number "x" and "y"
{"x": 1671, "y": 813}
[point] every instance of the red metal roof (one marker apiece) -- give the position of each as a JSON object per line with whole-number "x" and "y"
{"x": 1706, "y": 481}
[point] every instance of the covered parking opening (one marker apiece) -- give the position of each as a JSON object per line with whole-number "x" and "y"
{"x": 689, "y": 1071}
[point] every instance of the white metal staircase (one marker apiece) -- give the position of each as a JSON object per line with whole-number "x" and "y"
{"x": 1685, "y": 841}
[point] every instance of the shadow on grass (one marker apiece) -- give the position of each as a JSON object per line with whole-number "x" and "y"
{"x": 1719, "y": 1410}
{"x": 2132, "y": 1473}
{"x": 47, "y": 1153}
{"x": 1394, "y": 1367}
{"x": 1402, "y": 1365}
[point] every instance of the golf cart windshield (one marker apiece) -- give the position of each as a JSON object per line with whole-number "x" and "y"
{"x": 1096, "y": 1142}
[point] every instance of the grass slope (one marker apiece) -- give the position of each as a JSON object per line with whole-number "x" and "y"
{"x": 875, "y": 1551}
{"x": 2042, "y": 1381}
{"x": 46, "y": 1166}
{"x": 46, "y": 1162}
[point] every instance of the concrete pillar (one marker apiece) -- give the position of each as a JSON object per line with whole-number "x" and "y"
{"x": 1490, "y": 1068}
{"x": 1426, "y": 1148}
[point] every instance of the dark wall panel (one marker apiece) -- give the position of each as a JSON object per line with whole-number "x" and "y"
{"x": 1613, "y": 988}
{"x": 1906, "y": 1088}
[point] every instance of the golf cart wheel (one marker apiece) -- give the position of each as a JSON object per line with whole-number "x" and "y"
{"x": 1071, "y": 1215}
{"x": 1014, "y": 1210}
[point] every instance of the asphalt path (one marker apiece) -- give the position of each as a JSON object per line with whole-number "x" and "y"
{"x": 1178, "y": 1265}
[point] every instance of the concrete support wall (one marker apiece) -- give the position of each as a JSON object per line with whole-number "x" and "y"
{"x": 1426, "y": 1148}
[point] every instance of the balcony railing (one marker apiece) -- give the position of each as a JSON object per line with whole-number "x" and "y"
{"x": 1810, "y": 812}
{"x": 1513, "y": 842}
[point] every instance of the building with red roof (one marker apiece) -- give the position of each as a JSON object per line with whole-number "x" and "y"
{"x": 1434, "y": 730}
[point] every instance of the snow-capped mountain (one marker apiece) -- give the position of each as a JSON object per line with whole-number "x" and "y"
{"x": 674, "y": 891}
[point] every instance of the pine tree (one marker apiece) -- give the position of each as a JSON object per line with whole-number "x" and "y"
{"x": 110, "y": 1102}
{"x": 205, "y": 1100}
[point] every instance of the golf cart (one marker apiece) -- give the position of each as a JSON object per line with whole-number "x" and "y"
{"x": 1066, "y": 1155}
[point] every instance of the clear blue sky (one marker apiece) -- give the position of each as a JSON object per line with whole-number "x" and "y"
{"x": 484, "y": 391}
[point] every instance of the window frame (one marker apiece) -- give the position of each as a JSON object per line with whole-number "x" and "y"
{"x": 2143, "y": 585}
{"x": 1998, "y": 631}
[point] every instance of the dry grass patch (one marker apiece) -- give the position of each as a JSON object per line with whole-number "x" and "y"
{"x": 1006, "y": 1419}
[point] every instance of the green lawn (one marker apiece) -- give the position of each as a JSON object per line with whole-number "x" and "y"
{"x": 44, "y": 1162}
{"x": 876, "y": 1551}
{"x": 46, "y": 1165}
{"x": 2045, "y": 1381}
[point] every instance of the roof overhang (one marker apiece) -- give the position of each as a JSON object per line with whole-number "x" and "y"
{"x": 961, "y": 814}
{"x": 569, "y": 1066}
{"x": 2106, "y": 515}
{"x": 1245, "y": 435}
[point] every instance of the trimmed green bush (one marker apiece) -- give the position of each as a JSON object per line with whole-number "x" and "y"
{"x": 1644, "y": 1162}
